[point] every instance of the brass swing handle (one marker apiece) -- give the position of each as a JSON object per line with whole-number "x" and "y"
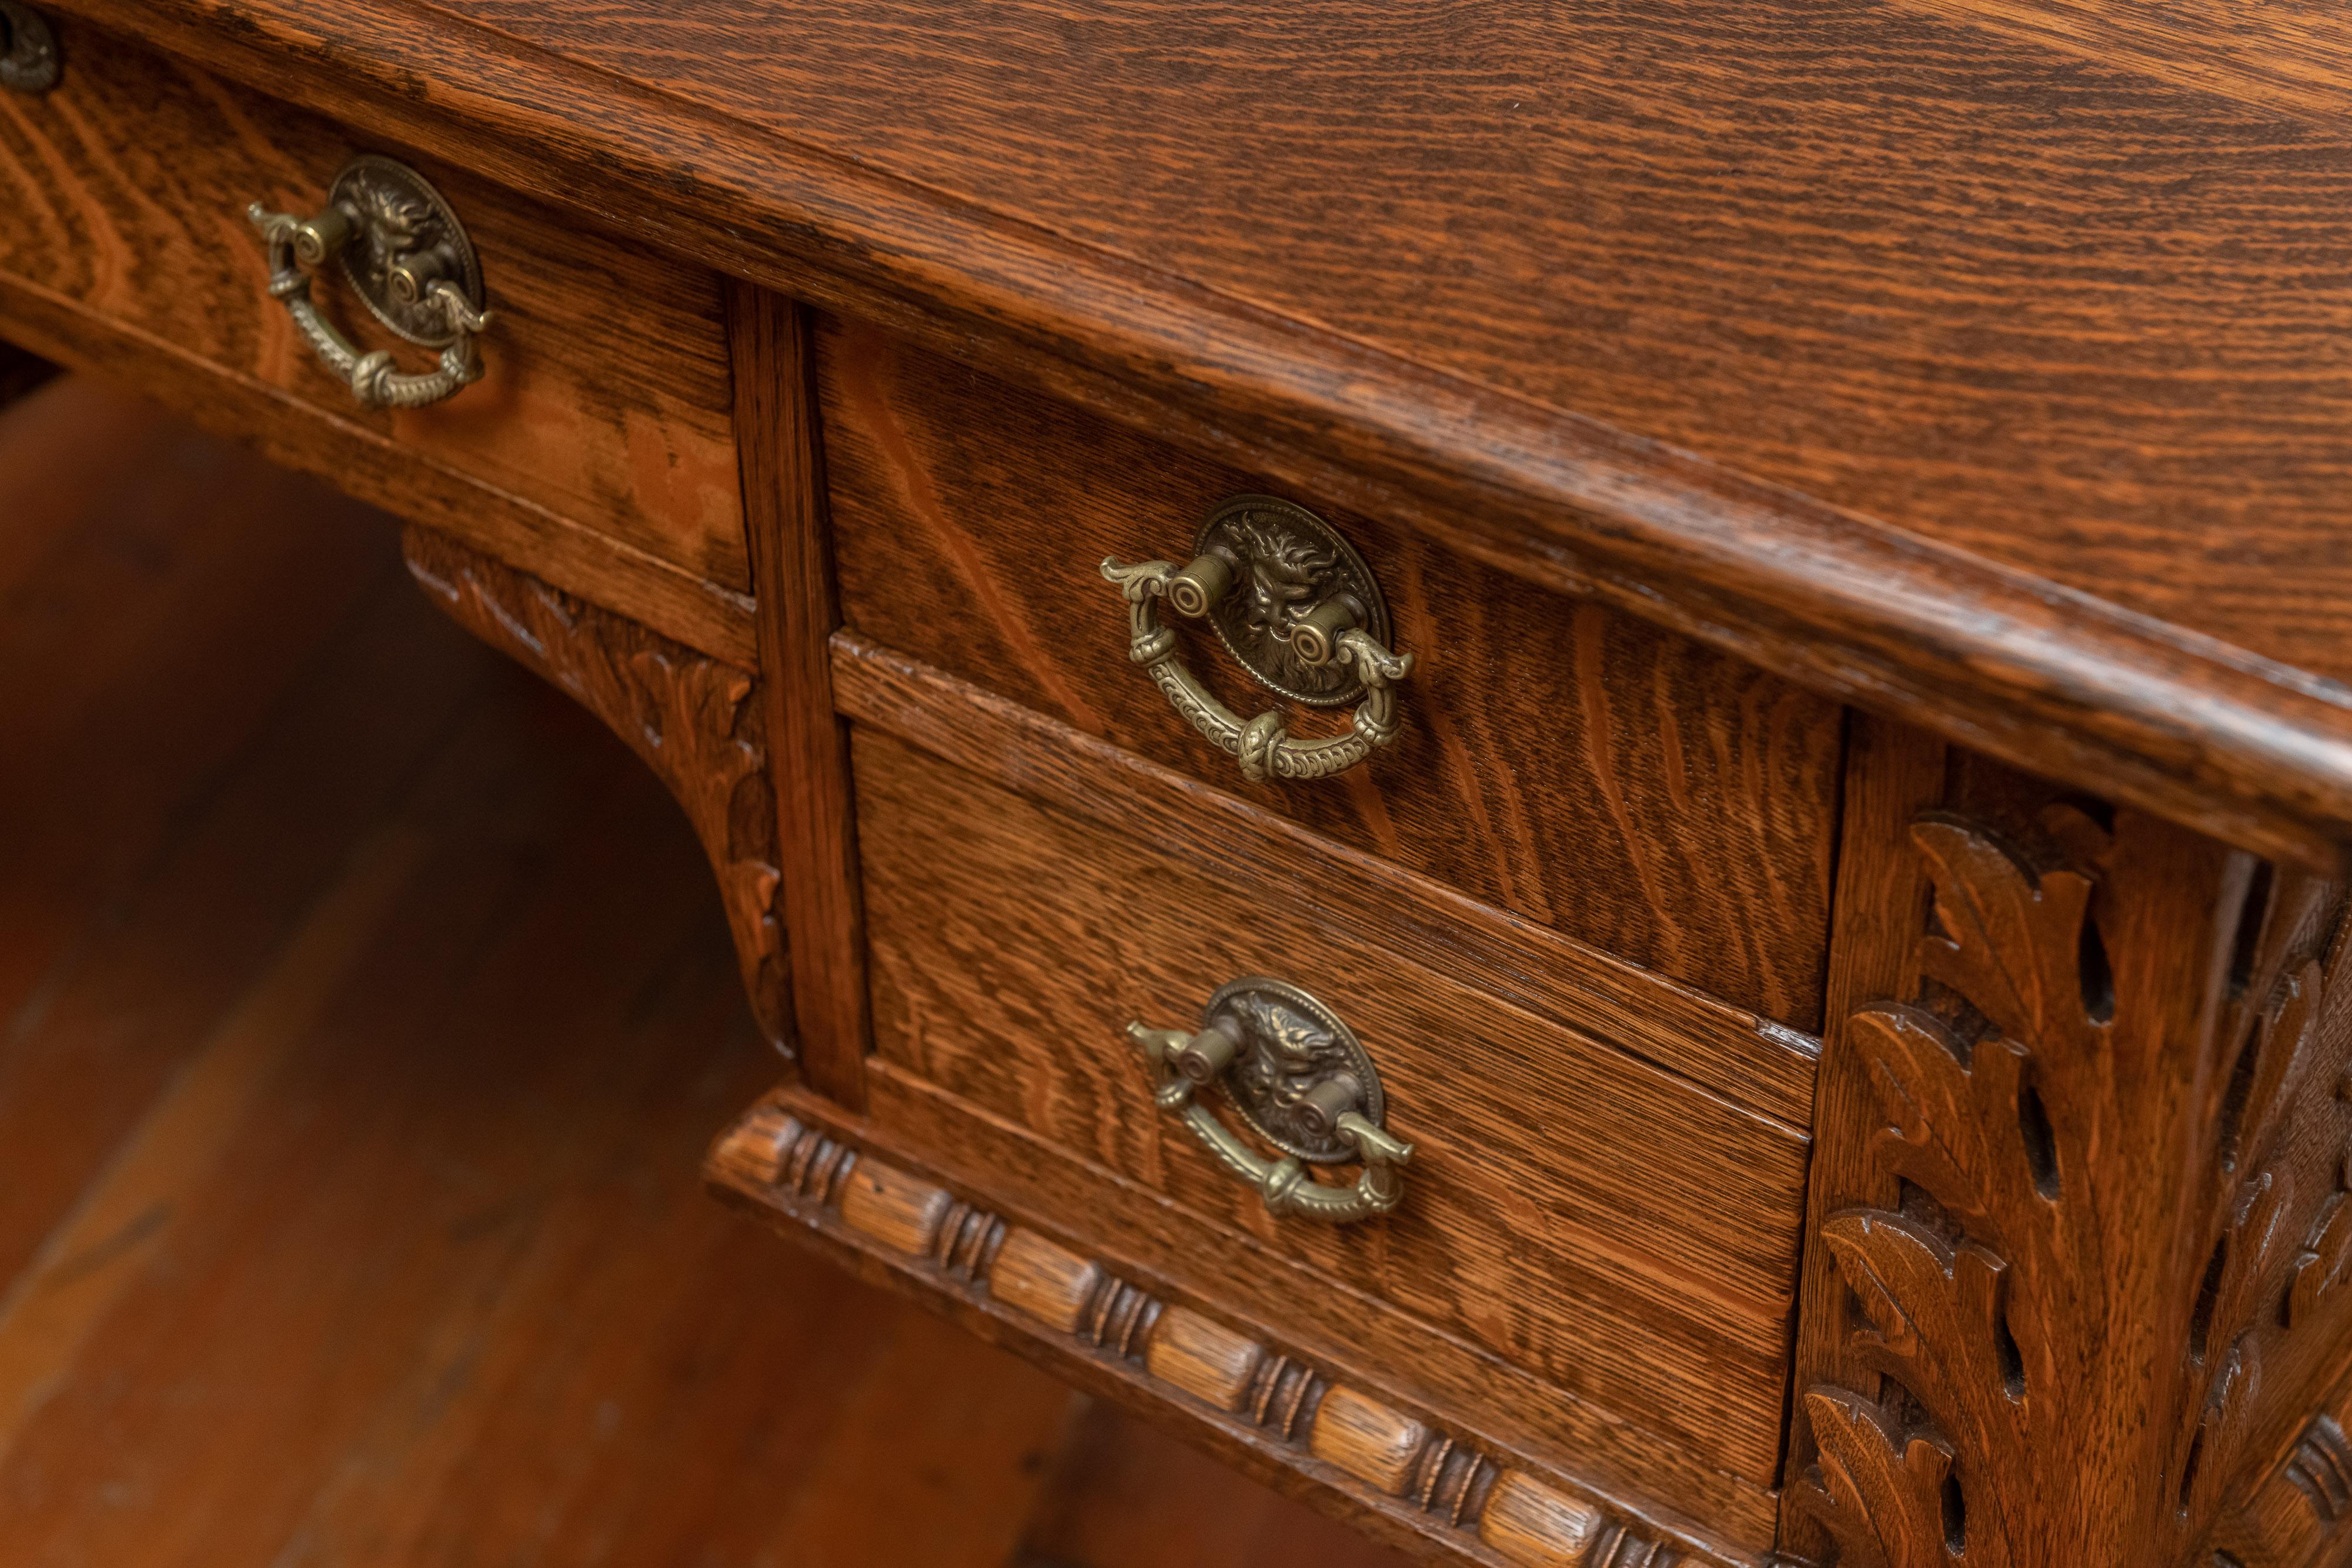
{"x": 409, "y": 261}
{"x": 1182, "y": 1063}
{"x": 1263, "y": 744}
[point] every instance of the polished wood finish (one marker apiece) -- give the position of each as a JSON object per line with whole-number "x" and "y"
{"x": 597, "y": 449}
{"x": 1174, "y": 1248}
{"x": 1974, "y": 364}
{"x": 697, "y": 723}
{"x": 784, "y": 490}
{"x": 1744, "y": 1057}
{"x": 2099, "y": 1153}
{"x": 1985, "y": 457}
{"x": 1645, "y": 795}
{"x": 1641, "y": 1231}
{"x": 1402, "y": 1477}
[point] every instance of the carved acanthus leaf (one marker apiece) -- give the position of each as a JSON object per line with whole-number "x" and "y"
{"x": 1882, "y": 1490}
{"x": 691, "y": 719}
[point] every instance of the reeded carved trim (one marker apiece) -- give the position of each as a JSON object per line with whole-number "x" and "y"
{"x": 693, "y": 720}
{"x": 2102, "y": 1120}
{"x": 789, "y": 1165}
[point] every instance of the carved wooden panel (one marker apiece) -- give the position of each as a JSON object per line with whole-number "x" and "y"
{"x": 2088, "y": 1213}
{"x": 694, "y": 721}
{"x": 1484, "y": 1508}
{"x": 2294, "y": 1512}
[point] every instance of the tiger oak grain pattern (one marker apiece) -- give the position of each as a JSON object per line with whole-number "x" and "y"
{"x": 1748, "y": 230}
{"x": 1758, "y": 1063}
{"x": 2294, "y": 57}
{"x": 1633, "y": 790}
{"x": 1967, "y": 645}
{"x": 783, "y": 507}
{"x": 1563, "y": 1197}
{"x": 605, "y": 408}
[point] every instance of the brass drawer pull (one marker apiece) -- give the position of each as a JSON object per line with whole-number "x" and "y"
{"x": 29, "y": 50}
{"x": 1300, "y": 1080}
{"x": 407, "y": 257}
{"x": 1298, "y": 608}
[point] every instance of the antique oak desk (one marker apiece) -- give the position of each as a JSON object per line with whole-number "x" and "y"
{"x": 1578, "y": 771}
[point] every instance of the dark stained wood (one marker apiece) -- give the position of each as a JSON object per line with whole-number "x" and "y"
{"x": 1768, "y": 285}
{"x": 794, "y": 1161}
{"x": 1616, "y": 1230}
{"x": 1636, "y": 790}
{"x": 1753, "y": 1061}
{"x": 699, "y": 725}
{"x": 20, "y": 373}
{"x": 2089, "y": 1202}
{"x": 597, "y": 449}
{"x": 783, "y": 507}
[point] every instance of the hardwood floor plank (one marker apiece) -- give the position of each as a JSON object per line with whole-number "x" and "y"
{"x": 111, "y": 1237}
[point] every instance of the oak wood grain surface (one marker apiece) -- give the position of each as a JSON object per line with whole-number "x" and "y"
{"x": 1618, "y": 1231}
{"x": 2038, "y": 315}
{"x": 1748, "y": 230}
{"x": 1161, "y": 1247}
{"x": 1737, "y": 1055}
{"x": 605, "y": 403}
{"x": 1635, "y": 790}
{"x": 799, "y": 608}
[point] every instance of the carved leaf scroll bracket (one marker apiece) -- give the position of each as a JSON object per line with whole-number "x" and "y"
{"x": 2109, "y": 1170}
{"x": 693, "y": 720}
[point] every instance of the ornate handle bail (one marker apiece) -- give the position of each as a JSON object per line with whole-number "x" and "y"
{"x": 407, "y": 257}
{"x": 1298, "y": 608}
{"x": 1300, "y": 1080}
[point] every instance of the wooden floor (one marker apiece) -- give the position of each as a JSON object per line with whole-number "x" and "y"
{"x": 365, "y": 1011}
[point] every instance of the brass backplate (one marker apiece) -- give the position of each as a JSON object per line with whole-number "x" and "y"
{"x": 28, "y": 49}
{"x": 1289, "y": 562}
{"x": 1290, "y": 1044}
{"x": 398, "y": 217}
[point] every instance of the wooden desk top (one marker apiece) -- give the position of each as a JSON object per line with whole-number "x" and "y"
{"x": 1986, "y": 364}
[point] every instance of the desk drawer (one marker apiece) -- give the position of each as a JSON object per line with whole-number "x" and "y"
{"x": 1620, "y": 1241}
{"x": 1618, "y": 784}
{"x": 597, "y": 449}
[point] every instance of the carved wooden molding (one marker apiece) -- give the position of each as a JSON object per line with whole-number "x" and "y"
{"x": 694, "y": 720}
{"x": 2297, "y": 1515}
{"x": 785, "y": 1164}
{"x": 2102, "y": 1241}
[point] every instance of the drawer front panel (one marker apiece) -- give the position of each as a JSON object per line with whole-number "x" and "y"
{"x": 1627, "y": 787}
{"x": 606, "y": 403}
{"x": 1580, "y": 1213}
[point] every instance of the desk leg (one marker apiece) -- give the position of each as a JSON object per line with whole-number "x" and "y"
{"x": 2079, "y": 1199}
